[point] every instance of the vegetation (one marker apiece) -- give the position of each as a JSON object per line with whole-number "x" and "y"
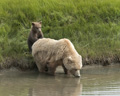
{"x": 92, "y": 25}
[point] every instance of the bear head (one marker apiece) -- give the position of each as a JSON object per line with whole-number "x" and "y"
{"x": 36, "y": 26}
{"x": 73, "y": 64}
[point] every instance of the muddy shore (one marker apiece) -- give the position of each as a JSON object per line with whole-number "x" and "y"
{"x": 24, "y": 64}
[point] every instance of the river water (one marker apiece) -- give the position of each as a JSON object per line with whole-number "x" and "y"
{"x": 94, "y": 81}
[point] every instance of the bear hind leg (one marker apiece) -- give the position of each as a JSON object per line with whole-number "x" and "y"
{"x": 42, "y": 68}
{"x": 51, "y": 68}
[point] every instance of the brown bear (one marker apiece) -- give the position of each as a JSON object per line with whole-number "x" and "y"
{"x": 52, "y": 53}
{"x": 34, "y": 34}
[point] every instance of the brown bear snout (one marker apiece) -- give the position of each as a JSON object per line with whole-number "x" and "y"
{"x": 75, "y": 72}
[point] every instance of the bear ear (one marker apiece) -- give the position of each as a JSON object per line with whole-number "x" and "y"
{"x": 70, "y": 60}
{"x": 33, "y": 23}
{"x": 40, "y": 22}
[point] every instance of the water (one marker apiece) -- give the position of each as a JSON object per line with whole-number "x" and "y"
{"x": 95, "y": 81}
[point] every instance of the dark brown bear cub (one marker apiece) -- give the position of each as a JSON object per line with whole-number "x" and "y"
{"x": 35, "y": 34}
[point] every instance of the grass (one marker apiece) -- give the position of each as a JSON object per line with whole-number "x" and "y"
{"x": 92, "y": 25}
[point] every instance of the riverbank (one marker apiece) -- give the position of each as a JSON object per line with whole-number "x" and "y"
{"x": 25, "y": 64}
{"x": 92, "y": 26}
{"x": 21, "y": 64}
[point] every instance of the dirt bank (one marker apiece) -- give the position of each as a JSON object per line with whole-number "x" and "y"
{"x": 19, "y": 63}
{"x": 29, "y": 64}
{"x": 104, "y": 61}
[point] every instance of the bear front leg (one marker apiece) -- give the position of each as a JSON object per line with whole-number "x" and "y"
{"x": 65, "y": 70}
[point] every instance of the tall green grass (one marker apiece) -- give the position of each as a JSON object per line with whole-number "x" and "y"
{"x": 92, "y": 25}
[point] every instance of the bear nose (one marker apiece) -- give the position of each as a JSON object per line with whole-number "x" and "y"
{"x": 77, "y": 73}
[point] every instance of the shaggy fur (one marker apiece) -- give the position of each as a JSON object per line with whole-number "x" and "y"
{"x": 52, "y": 53}
{"x": 35, "y": 34}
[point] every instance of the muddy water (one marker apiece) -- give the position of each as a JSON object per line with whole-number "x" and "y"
{"x": 95, "y": 81}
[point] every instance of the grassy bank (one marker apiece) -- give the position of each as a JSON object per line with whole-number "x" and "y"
{"x": 92, "y": 25}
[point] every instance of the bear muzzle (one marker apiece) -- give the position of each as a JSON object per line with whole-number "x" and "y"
{"x": 77, "y": 73}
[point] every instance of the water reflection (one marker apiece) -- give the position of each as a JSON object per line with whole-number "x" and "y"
{"x": 58, "y": 86}
{"x": 94, "y": 82}
{"x": 32, "y": 84}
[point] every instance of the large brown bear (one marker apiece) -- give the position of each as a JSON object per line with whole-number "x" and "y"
{"x": 35, "y": 34}
{"x": 52, "y": 53}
